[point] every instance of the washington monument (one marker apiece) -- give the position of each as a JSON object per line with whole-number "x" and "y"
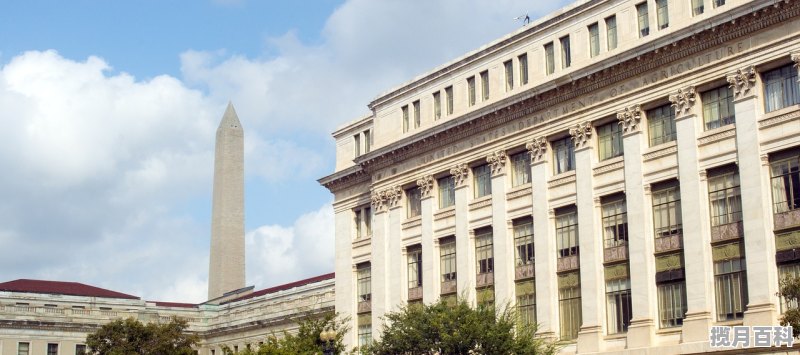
{"x": 226, "y": 266}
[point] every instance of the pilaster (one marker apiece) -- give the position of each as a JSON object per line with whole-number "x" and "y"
{"x": 345, "y": 287}
{"x": 430, "y": 286}
{"x": 378, "y": 262}
{"x": 502, "y": 243}
{"x": 465, "y": 278}
{"x": 396, "y": 262}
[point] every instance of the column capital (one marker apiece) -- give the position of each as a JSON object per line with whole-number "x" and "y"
{"x": 597, "y": 202}
{"x": 629, "y": 118}
{"x": 581, "y": 134}
{"x": 683, "y": 100}
{"x": 537, "y": 148}
{"x": 647, "y": 190}
{"x": 497, "y": 161}
{"x": 742, "y": 81}
{"x": 387, "y": 198}
{"x": 425, "y": 184}
{"x": 378, "y": 201}
{"x": 460, "y": 174}
{"x": 703, "y": 175}
{"x": 796, "y": 59}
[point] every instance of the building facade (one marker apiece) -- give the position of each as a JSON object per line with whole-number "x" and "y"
{"x": 626, "y": 173}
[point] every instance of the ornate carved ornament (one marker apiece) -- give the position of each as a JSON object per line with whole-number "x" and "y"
{"x": 378, "y": 201}
{"x": 683, "y": 100}
{"x": 460, "y": 174}
{"x": 425, "y": 185}
{"x": 629, "y": 118}
{"x": 497, "y": 161}
{"x": 581, "y": 133}
{"x": 742, "y": 81}
{"x": 538, "y": 148}
{"x": 386, "y": 198}
{"x": 796, "y": 59}
{"x": 393, "y": 196}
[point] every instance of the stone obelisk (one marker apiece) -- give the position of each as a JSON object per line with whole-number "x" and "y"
{"x": 226, "y": 266}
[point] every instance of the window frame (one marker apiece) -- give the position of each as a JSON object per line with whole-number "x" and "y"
{"x": 484, "y": 84}
{"x": 509, "y": 71}
{"x": 437, "y": 105}
{"x": 520, "y": 168}
{"x": 566, "y": 232}
{"x": 785, "y": 179}
{"x": 417, "y": 114}
{"x": 364, "y": 282}
{"x": 448, "y": 92}
{"x": 471, "y": 93}
{"x": 524, "y": 248}
{"x": 609, "y": 141}
{"x": 484, "y": 251}
{"x": 594, "y": 39}
{"x": 698, "y": 7}
{"x": 659, "y": 120}
{"x": 614, "y": 214}
{"x": 549, "y": 58}
{"x": 570, "y": 314}
{"x": 406, "y": 118}
{"x": 611, "y": 44}
{"x": 523, "y": 68}
{"x": 414, "y": 260}
{"x": 672, "y": 205}
{"x": 642, "y": 19}
{"x": 672, "y": 316}
{"x": 447, "y": 190}
{"x": 618, "y": 295}
{"x": 662, "y": 13}
{"x": 715, "y": 105}
{"x": 563, "y": 148}
{"x": 783, "y": 82}
{"x": 448, "y": 261}
{"x": 414, "y": 202}
{"x": 482, "y": 181}
{"x": 725, "y": 187}
{"x": 730, "y": 304}
{"x": 566, "y": 53}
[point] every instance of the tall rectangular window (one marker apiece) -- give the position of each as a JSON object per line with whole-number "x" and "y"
{"x": 414, "y": 202}
{"x": 644, "y": 22}
{"x": 567, "y": 232}
{"x": 52, "y": 349}
{"x": 364, "y": 282}
{"x": 790, "y": 270}
{"x": 569, "y": 305}
{"x": 482, "y": 178}
{"x": 662, "y": 10}
{"x": 564, "y": 155}
{"x": 523, "y": 241}
{"x": 364, "y": 329}
{"x": 447, "y": 259}
{"x": 357, "y": 144}
{"x": 549, "y": 58}
{"x": 724, "y": 197}
{"x": 509, "y": 66}
{"x": 786, "y": 182}
{"x": 615, "y": 221}
{"x": 671, "y": 303}
{"x": 417, "y": 120}
{"x": 618, "y": 305}
{"x": 718, "y": 107}
{"x": 526, "y": 301}
{"x": 415, "y": 267}
{"x": 23, "y": 348}
{"x": 611, "y": 32}
{"x": 367, "y": 217}
{"x": 362, "y": 219}
{"x": 485, "y": 84}
{"x": 594, "y": 40}
{"x": 484, "y": 252}
{"x": 667, "y": 211}
{"x": 730, "y": 284}
{"x": 367, "y": 140}
{"x": 609, "y": 140}
{"x": 718, "y": 2}
{"x": 523, "y": 69}
{"x": 448, "y": 93}
{"x": 521, "y": 165}
{"x": 447, "y": 192}
{"x": 661, "y": 125}
{"x": 697, "y": 7}
{"x": 471, "y": 90}
{"x": 437, "y": 105}
{"x": 780, "y": 88}
{"x": 406, "y": 122}
{"x": 358, "y": 223}
{"x": 566, "y": 54}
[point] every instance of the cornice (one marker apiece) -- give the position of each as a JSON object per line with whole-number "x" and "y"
{"x": 343, "y": 179}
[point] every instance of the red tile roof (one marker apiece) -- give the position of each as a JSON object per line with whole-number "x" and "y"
{"x": 285, "y": 287}
{"x": 61, "y": 288}
{"x": 175, "y": 304}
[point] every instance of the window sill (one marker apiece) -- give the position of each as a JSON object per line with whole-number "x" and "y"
{"x": 669, "y": 331}
{"x": 445, "y": 212}
{"x": 617, "y": 336}
{"x": 660, "y": 150}
{"x": 363, "y": 241}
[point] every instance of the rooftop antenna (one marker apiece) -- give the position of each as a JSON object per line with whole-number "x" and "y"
{"x": 524, "y": 18}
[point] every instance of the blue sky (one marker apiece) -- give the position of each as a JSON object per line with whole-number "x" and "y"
{"x": 114, "y": 105}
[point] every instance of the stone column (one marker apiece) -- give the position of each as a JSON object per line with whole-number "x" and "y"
{"x": 465, "y": 278}
{"x": 641, "y": 331}
{"x": 378, "y": 261}
{"x": 696, "y": 226}
{"x": 590, "y": 337}
{"x": 503, "y": 244}
{"x": 430, "y": 286}
{"x": 759, "y": 242}
{"x": 396, "y": 262}
{"x": 544, "y": 241}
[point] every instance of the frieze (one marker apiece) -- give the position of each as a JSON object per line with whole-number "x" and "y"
{"x": 450, "y": 212}
{"x": 486, "y": 201}
{"x": 787, "y": 219}
{"x": 629, "y": 118}
{"x": 425, "y": 185}
{"x": 683, "y": 100}
{"x": 567, "y": 263}
{"x": 742, "y": 81}
{"x": 561, "y": 181}
{"x": 519, "y": 193}
{"x": 726, "y": 252}
{"x": 668, "y": 243}
{"x": 609, "y": 167}
{"x": 581, "y": 133}
{"x": 661, "y": 152}
{"x": 460, "y": 174}
{"x": 768, "y": 122}
{"x": 616, "y": 272}
{"x": 787, "y": 241}
{"x": 615, "y": 253}
{"x": 538, "y": 148}
{"x": 727, "y": 231}
{"x": 497, "y": 161}
{"x": 569, "y": 280}
{"x": 669, "y": 262}
{"x": 716, "y": 137}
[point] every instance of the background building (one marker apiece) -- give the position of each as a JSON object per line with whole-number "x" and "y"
{"x": 624, "y": 172}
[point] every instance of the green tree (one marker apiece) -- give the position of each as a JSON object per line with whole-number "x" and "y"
{"x": 129, "y": 336}
{"x": 449, "y": 329}
{"x": 305, "y": 341}
{"x": 790, "y": 291}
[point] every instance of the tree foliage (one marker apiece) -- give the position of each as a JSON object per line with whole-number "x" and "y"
{"x": 446, "y": 329}
{"x": 306, "y": 341}
{"x": 790, "y": 291}
{"x": 129, "y": 336}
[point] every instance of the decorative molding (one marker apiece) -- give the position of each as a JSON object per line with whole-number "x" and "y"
{"x": 683, "y": 100}
{"x": 668, "y": 243}
{"x": 727, "y": 232}
{"x": 581, "y": 133}
{"x": 764, "y": 159}
{"x": 460, "y": 174}
{"x": 787, "y": 241}
{"x": 425, "y": 184}
{"x": 716, "y": 137}
{"x": 497, "y": 161}
{"x": 617, "y": 253}
{"x": 567, "y": 263}
{"x": 616, "y": 272}
{"x": 479, "y": 203}
{"x": 726, "y": 252}
{"x": 378, "y": 200}
{"x": 449, "y": 212}
{"x": 609, "y": 167}
{"x": 767, "y": 122}
{"x": 629, "y": 118}
{"x": 702, "y": 175}
{"x": 387, "y": 198}
{"x": 669, "y": 262}
{"x": 519, "y": 193}
{"x": 393, "y": 196}
{"x": 571, "y": 279}
{"x": 411, "y": 223}
{"x": 795, "y": 58}
{"x": 538, "y": 148}
{"x": 661, "y": 152}
{"x": 561, "y": 181}
{"x": 786, "y": 219}
{"x": 742, "y": 81}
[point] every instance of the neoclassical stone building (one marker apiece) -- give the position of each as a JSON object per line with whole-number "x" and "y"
{"x": 626, "y": 173}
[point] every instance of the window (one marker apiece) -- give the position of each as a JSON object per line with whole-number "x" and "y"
{"x": 718, "y": 107}
{"x": 523, "y": 69}
{"x": 618, "y": 305}
{"x": 521, "y": 165}
{"x": 718, "y": 2}
{"x": 447, "y": 192}
{"x": 367, "y": 140}
{"x": 697, "y": 7}
{"x": 414, "y": 202}
{"x": 482, "y": 176}
{"x": 448, "y": 93}
{"x": 594, "y": 40}
{"x": 644, "y": 22}
{"x": 405, "y": 118}
{"x": 357, "y": 144}
{"x": 362, "y": 219}
{"x": 447, "y": 259}
{"x": 615, "y": 221}
{"x": 611, "y": 32}
{"x": 786, "y": 271}
{"x": 569, "y": 305}
{"x": 364, "y": 280}
{"x": 485, "y": 84}
{"x": 662, "y": 11}
{"x": 415, "y": 268}
{"x": 364, "y": 329}
{"x": 80, "y": 349}
{"x": 526, "y": 302}
{"x": 484, "y": 254}
{"x": 357, "y": 222}
{"x": 567, "y": 232}
{"x": 566, "y": 58}
{"x": 509, "y": 66}
{"x": 724, "y": 197}
{"x": 667, "y": 211}
{"x": 671, "y": 303}
{"x": 780, "y": 88}
{"x": 416, "y": 114}
{"x": 564, "y": 154}
{"x": 437, "y": 105}
{"x": 23, "y": 348}
{"x": 471, "y": 90}
{"x": 52, "y": 349}
{"x": 609, "y": 139}
{"x": 730, "y": 283}
{"x": 549, "y": 58}
{"x": 786, "y": 183}
{"x": 661, "y": 125}
{"x": 523, "y": 241}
